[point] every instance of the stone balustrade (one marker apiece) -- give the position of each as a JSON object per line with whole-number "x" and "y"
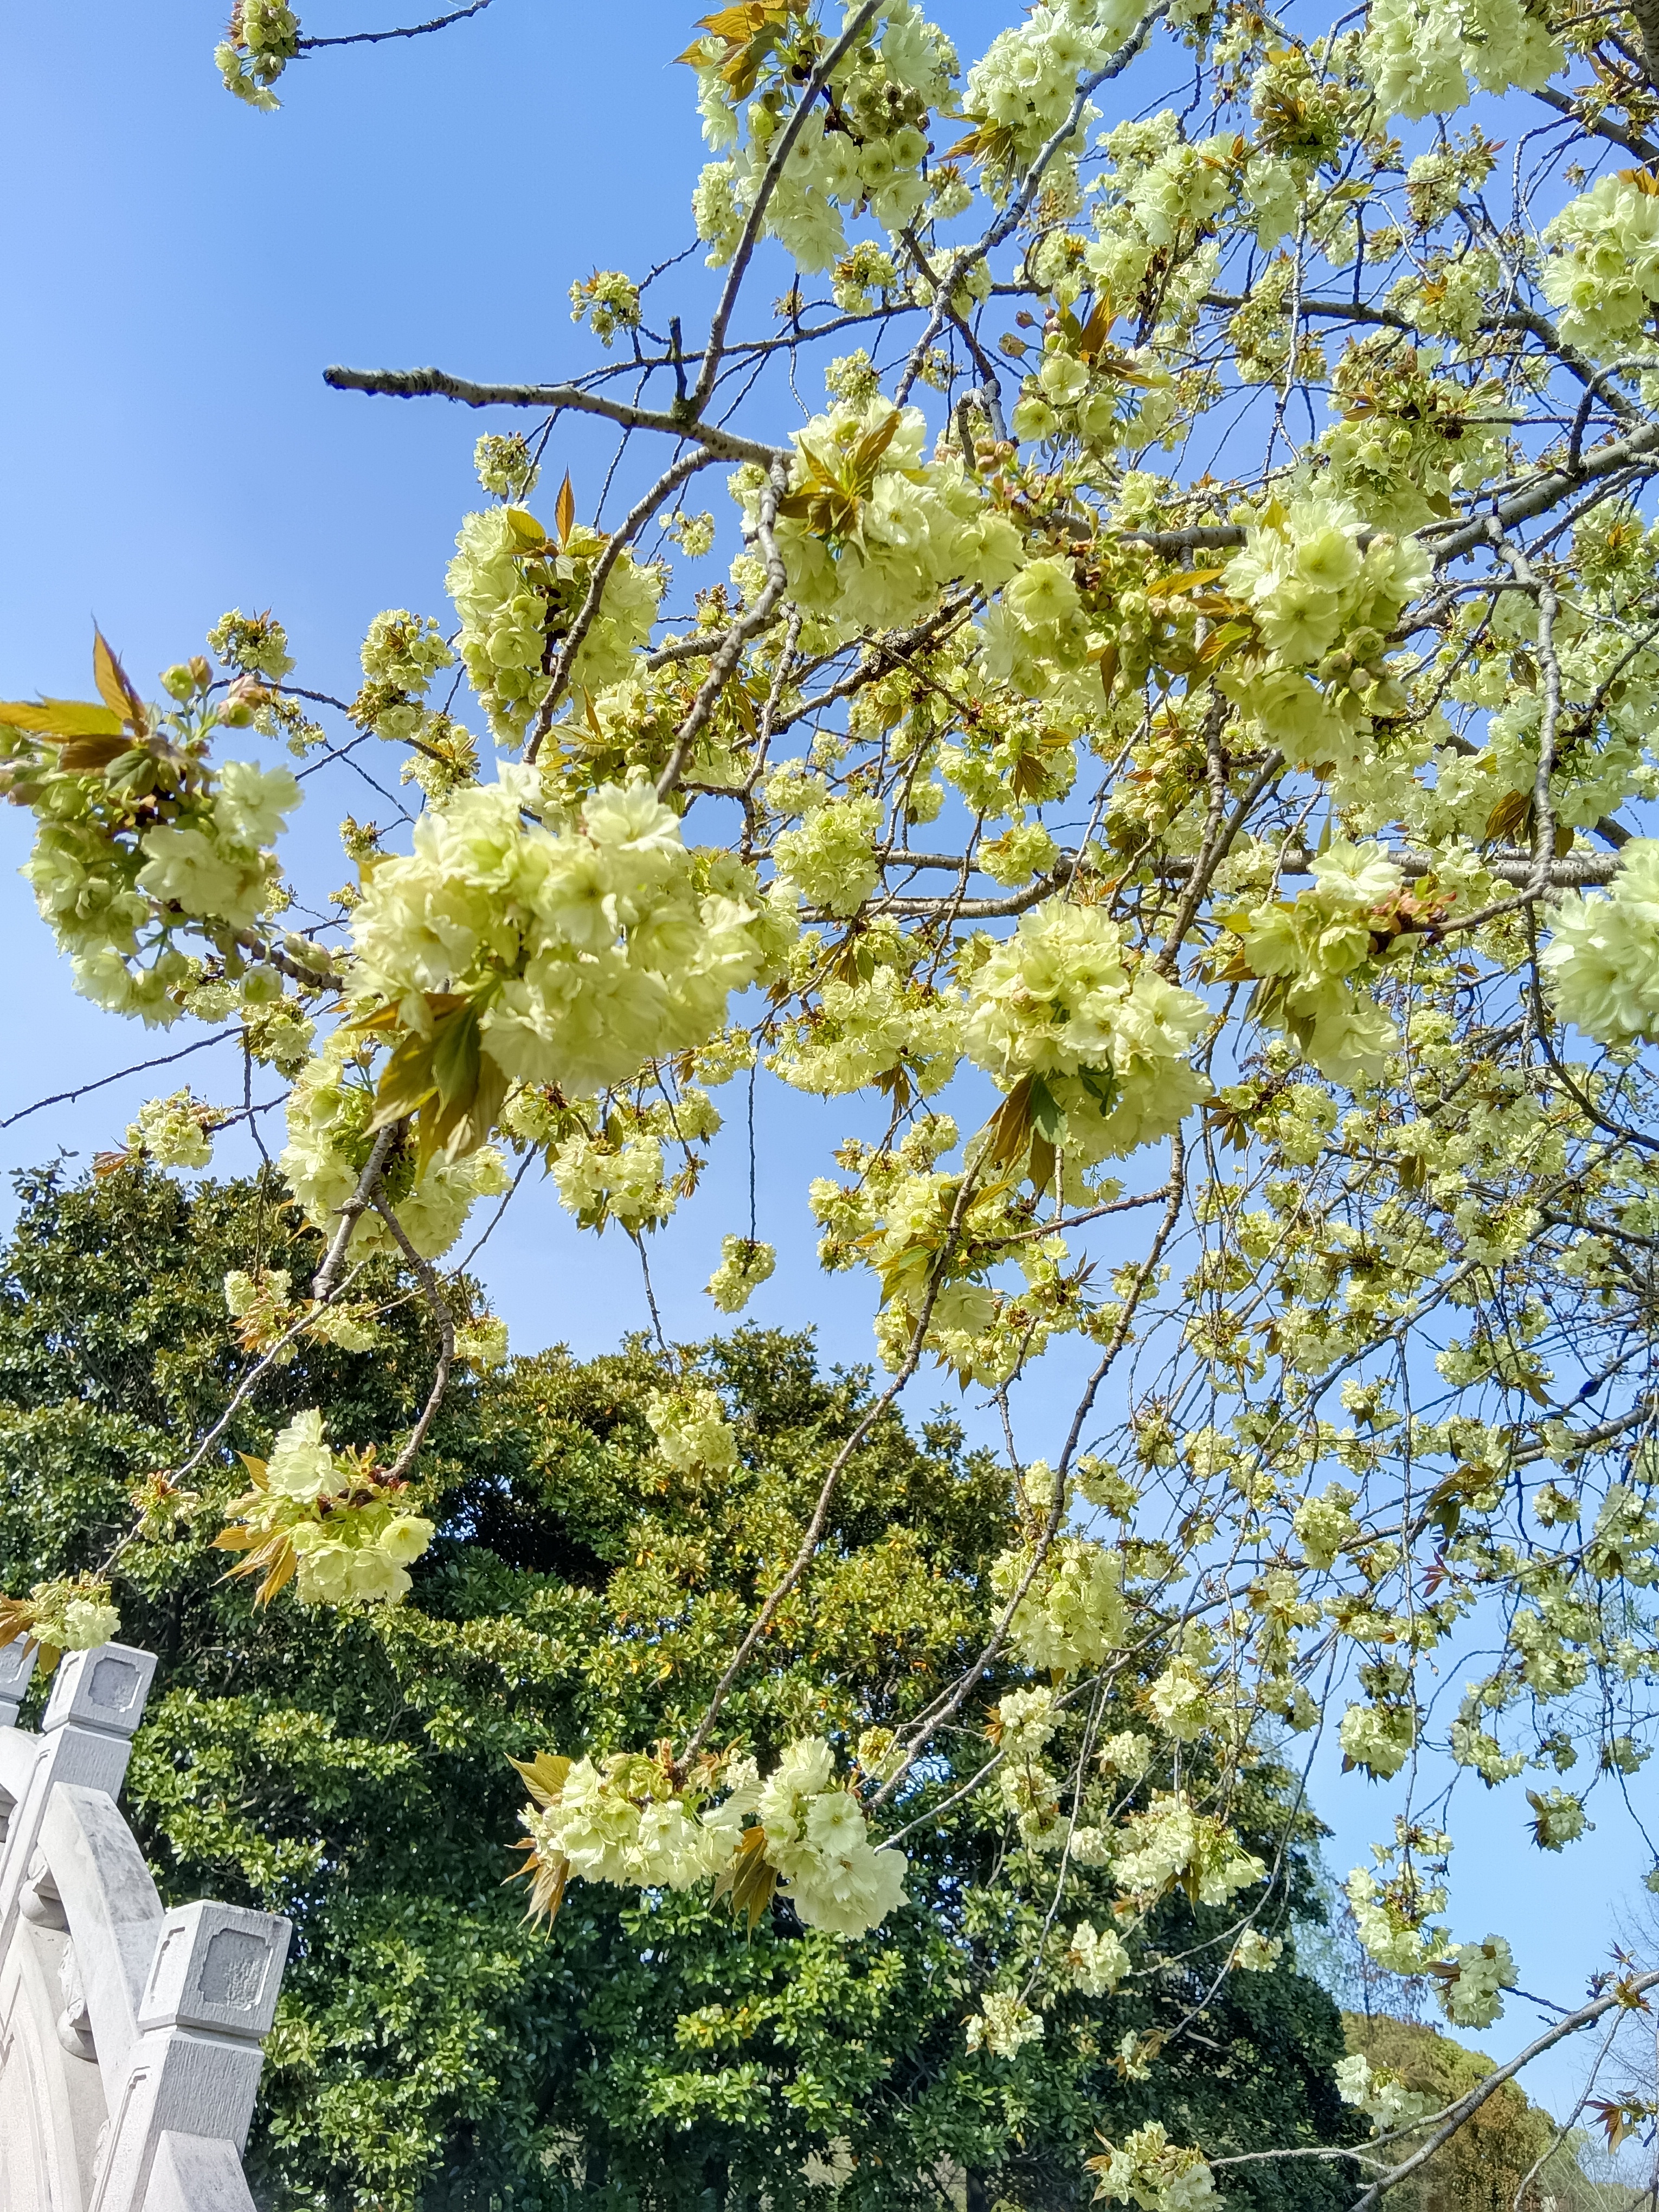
{"x": 130, "y": 2037}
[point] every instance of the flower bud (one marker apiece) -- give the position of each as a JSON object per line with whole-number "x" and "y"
{"x": 171, "y": 966}
{"x": 307, "y": 953}
{"x": 261, "y": 987}
{"x": 245, "y": 695}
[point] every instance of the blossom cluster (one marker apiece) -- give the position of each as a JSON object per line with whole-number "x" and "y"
{"x": 691, "y": 1430}
{"x": 263, "y": 39}
{"x": 1024, "y": 85}
{"x": 175, "y": 1131}
{"x": 1071, "y": 1613}
{"x": 1323, "y": 603}
{"x": 1158, "y": 203}
{"x": 144, "y": 849}
{"x": 326, "y": 1519}
{"x": 330, "y": 1111}
{"x": 1057, "y": 1003}
{"x": 745, "y": 1263}
{"x": 861, "y": 1027}
{"x": 1603, "y": 268}
{"x": 71, "y": 1613}
{"x": 895, "y": 1217}
{"x": 583, "y": 947}
{"x": 1171, "y": 1841}
{"x": 608, "y": 302}
{"x": 619, "y": 1171}
{"x": 1317, "y": 955}
{"x": 1602, "y": 956}
{"x": 866, "y": 150}
{"x": 871, "y": 527}
{"x": 1416, "y": 52}
{"x": 628, "y": 1820}
{"x": 517, "y": 591}
{"x": 1147, "y": 2170}
{"x": 1381, "y": 2095}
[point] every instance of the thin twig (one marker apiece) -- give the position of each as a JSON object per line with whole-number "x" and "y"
{"x": 627, "y": 530}
{"x": 251, "y": 1380}
{"x": 378, "y": 37}
{"x": 747, "y": 625}
{"x": 446, "y": 1319}
{"x": 138, "y": 1067}
{"x": 815, "y": 1527}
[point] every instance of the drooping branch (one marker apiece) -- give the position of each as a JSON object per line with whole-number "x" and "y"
{"x": 814, "y": 1535}
{"x": 929, "y": 1724}
{"x": 250, "y": 1382}
{"x": 368, "y": 1183}
{"x": 1625, "y": 1995}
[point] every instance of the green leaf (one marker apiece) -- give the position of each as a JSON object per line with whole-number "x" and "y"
{"x": 406, "y": 1084}
{"x": 455, "y": 1049}
{"x": 871, "y": 448}
{"x": 750, "y": 1879}
{"x": 1101, "y": 1084}
{"x": 1047, "y": 1115}
{"x": 457, "y": 1125}
{"x": 114, "y": 685}
{"x": 543, "y": 1775}
{"x": 62, "y": 718}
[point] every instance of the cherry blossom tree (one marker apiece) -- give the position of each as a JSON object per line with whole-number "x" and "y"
{"x": 1171, "y": 733}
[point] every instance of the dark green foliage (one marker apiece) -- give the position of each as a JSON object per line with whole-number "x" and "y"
{"x": 434, "y": 2050}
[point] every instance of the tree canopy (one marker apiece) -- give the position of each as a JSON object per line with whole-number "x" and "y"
{"x": 1161, "y": 725}
{"x": 436, "y": 2048}
{"x": 1511, "y": 2153}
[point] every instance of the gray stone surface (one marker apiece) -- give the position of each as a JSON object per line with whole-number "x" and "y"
{"x": 130, "y": 2037}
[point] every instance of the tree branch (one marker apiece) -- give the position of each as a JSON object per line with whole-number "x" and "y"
{"x": 1566, "y": 104}
{"x": 1455, "y": 2115}
{"x": 378, "y": 37}
{"x": 435, "y": 1298}
{"x": 322, "y": 1283}
{"x": 745, "y": 246}
{"x": 438, "y": 384}
{"x": 747, "y": 625}
{"x": 632, "y": 522}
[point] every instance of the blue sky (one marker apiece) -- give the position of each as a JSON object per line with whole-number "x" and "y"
{"x": 178, "y": 271}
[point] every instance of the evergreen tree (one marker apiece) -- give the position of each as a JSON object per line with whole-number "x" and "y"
{"x": 434, "y": 2049}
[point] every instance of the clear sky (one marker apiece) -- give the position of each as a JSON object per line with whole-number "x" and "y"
{"x": 178, "y": 271}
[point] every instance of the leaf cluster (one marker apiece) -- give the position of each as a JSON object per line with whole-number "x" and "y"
{"x": 351, "y": 1769}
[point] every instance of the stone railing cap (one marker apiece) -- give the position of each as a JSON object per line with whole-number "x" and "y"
{"x": 104, "y": 1688}
{"x": 216, "y": 1966}
{"x": 17, "y": 1661}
